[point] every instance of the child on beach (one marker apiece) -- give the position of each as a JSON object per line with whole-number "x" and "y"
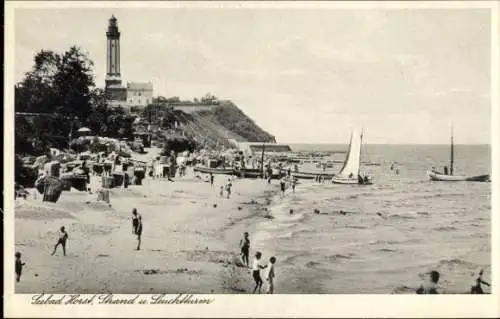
{"x": 19, "y": 266}
{"x": 221, "y": 193}
{"x": 256, "y": 267}
{"x": 431, "y": 286}
{"x": 228, "y": 187}
{"x": 63, "y": 237}
{"x": 245, "y": 249}
{"x": 294, "y": 183}
{"x": 137, "y": 226}
{"x": 270, "y": 275}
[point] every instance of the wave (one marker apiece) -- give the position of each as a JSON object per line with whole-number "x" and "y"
{"x": 437, "y": 195}
{"x": 456, "y": 262}
{"x": 387, "y": 250}
{"x": 312, "y": 264}
{"x": 356, "y": 227}
{"x": 394, "y": 242}
{"x": 339, "y": 257}
{"x": 403, "y": 289}
{"x": 445, "y": 228}
{"x": 398, "y": 216}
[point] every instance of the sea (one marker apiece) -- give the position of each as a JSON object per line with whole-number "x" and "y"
{"x": 382, "y": 238}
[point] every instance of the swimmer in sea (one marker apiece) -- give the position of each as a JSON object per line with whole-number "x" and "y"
{"x": 476, "y": 287}
{"x": 430, "y": 287}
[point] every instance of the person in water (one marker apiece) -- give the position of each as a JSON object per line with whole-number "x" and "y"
{"x": 245, "y": 249}
{"x": 431, "y": 286}
{"x": 294, "y": 183}
{"x": 137, "y": 226}
{"x": 256, "y": 267}
{"x": 282, "y": 186}
{"x": 221, "y": 193}
{"x": 270, "y": 275}
{"x": 63, "y": 237}
{"x": 476, "y": 287}
{"x": 211, "y": 180}
{"x": 228, "y": 187}
{"x": 19, "y": 266}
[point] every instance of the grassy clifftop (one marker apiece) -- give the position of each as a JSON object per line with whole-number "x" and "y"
{"x": 230, "y": 117}
{"x": 210, "y": 127}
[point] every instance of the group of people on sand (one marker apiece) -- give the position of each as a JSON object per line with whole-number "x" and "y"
{"x": 63, "y": 238}
{"x": 257, "y": 266}
{"x": 223, "y": 188}
{"x": 431, "y": 286}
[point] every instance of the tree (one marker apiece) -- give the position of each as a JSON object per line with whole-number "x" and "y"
{"x": 59, "y": 84}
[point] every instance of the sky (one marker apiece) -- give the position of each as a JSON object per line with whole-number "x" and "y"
{"x": 304, "y": 75}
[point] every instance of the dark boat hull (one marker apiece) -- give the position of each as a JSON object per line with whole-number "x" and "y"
{"x": 206, "y": 170}
{"x": 305, "y": 175}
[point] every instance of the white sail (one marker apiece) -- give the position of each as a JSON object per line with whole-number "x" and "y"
{"x": 351, "y": 164}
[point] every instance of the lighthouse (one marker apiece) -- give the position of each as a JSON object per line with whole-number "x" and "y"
{"x": 115, "y": 92}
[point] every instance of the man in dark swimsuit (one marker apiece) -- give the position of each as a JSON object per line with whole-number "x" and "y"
{"x": 19, "y": 266}
{"x": 137, "y": 226}
{"x": 245, "y": 249}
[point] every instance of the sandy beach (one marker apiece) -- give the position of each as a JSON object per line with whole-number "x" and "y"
{"x": 188, "y": 245}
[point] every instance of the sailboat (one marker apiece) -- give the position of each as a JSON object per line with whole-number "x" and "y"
{"x": 349, "y": 173}
{"x": 445, "y": 177}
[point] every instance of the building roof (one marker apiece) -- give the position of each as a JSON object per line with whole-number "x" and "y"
{"x": 140, "y": 86}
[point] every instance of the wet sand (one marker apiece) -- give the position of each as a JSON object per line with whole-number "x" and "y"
{"x": 188, "y": 245}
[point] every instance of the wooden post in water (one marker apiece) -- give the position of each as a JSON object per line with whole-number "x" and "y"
{"x": 451, "y": 151}
{"x": 263, "y": 171}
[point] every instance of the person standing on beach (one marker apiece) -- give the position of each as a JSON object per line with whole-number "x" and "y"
{"x": 294, "y": 183}
{"x": 211, "y": 180}
{"x": 137, "y": 226}
{"x": 221, "y": 193}
{"x": 282, "y": 185}
{"x": 270, "y": 275}
{"x": 63, "y": 237}
{"x": 19, "y": 266}
{"x": 245, "y": 249}
{"x": 256, "y": 267}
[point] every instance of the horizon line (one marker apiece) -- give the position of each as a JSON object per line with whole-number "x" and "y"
{"x": 395, "y": 144}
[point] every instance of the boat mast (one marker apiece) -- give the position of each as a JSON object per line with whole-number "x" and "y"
{"x": 451, "y": 152}
{"x": 360, "y": 151}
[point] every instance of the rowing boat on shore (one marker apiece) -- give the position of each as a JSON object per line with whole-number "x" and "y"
{"x": 207, "y": 170}
{"x": 249, "y": 173}
{"x": 309, "y": 175}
